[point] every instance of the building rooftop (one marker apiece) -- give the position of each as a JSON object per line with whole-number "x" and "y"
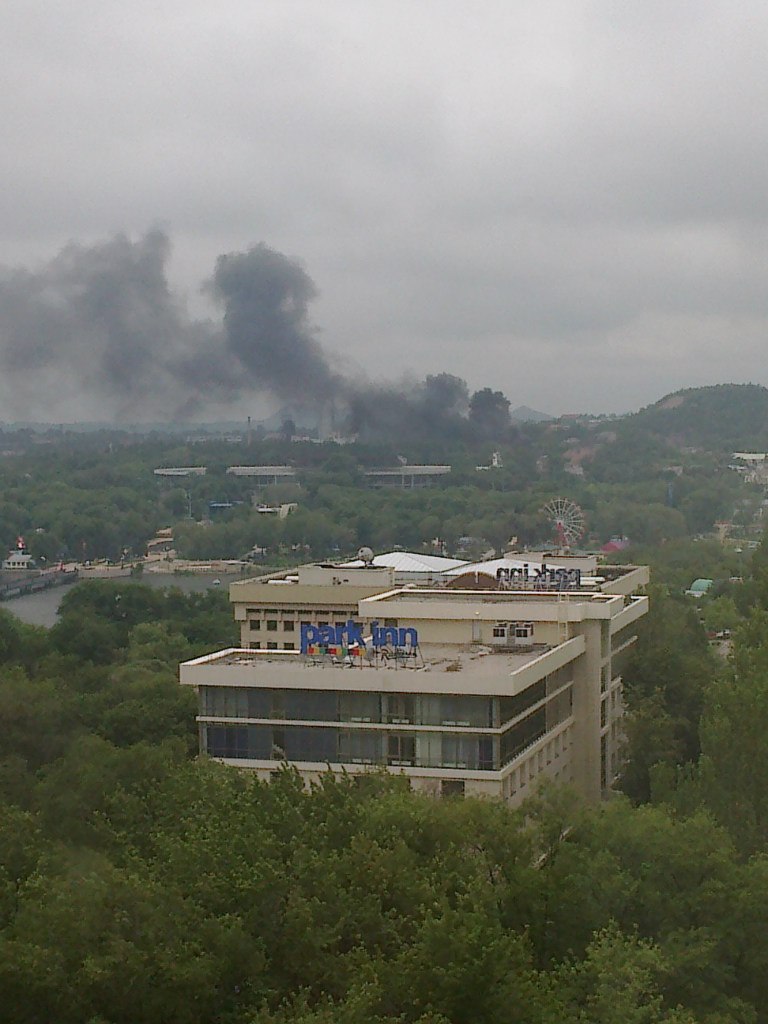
{"x": 262, "y": 471}
{"x": 411, "y": 561}
{"x": 408, "y": 470}
{"x": 490, "y": 567}
{"x": 422, "y": 595}
{"x": 440, "y": 670}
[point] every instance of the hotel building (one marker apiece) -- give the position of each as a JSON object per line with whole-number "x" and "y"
{"x": 481, "y": 686}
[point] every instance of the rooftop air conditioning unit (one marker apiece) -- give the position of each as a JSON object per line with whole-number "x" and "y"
{"x": 500, "y": 635}
{"x": 523, "y": 634}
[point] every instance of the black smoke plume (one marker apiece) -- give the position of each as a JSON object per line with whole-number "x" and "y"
{"x": 98, "y": 330}
{"x": 100, "y": 324}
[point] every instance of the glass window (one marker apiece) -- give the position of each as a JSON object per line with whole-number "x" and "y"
{"x": 452, "y": 787}
{"x": 486, "y": 760}
{"x": 272, "y": 645}
{"x": 278, "y": 752}
{"x": 459, "y": 751}
{"x": 605, "y": 638}
{"x": 237, "y": 741}
{"x": 277, "y": 704}
{"x": 522, "y": 735}
{"x": 359, "y": 707}
{"x": 429, "y": 749}
{"x": 511, "y": 707}
{"x": 289, "y": 625}
{"x": 559, "y": 707}
{"x": 271, "y": 625}
{"x": 310, "y": 705}
{"x": 289, "y": 646}
{"x": 301, "y": 705}
{"x": 400, "y": 708}
{"x": 360, "y": 746}
{"x": 225, "y": 701}
{"x": 254, "y": 624}
{"x": 477, "y": 711}
{"x": 310, "y": 744}
{"x": 401, "y": 749}
{"x": 557, "y": 680}
{"x": 258, "y": 703}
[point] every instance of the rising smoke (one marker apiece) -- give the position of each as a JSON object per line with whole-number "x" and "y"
{"x": 100, "y": 323}
{"x": 99, "y": 329}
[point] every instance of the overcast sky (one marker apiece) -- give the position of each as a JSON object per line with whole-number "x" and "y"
{"x": 564, "y": 200}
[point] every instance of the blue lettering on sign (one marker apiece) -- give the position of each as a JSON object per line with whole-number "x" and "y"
{"x": 350, "y": 634}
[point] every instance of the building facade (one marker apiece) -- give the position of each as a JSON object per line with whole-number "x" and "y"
{"x": 271, "y": 609}
{"x": 482, "y": 692}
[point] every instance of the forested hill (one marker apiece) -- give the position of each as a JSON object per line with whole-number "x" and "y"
{"x": 724, "y": 417}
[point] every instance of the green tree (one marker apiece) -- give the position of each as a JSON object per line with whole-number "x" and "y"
{"x": 734, "y": 759}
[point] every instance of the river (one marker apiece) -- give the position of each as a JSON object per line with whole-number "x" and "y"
{"x": 42, "y": 608}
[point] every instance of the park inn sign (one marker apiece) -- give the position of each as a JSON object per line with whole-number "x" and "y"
{"x": 349, "y": 636}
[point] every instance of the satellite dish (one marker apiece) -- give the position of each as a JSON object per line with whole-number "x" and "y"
{"x": 365, "y": 555}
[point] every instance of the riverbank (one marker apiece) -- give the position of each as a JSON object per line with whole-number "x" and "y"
{"x": 16, "y": 588}
{"x": 42, "y": 609}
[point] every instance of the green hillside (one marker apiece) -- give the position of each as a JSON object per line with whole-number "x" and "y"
{"x": 719, "y": 418}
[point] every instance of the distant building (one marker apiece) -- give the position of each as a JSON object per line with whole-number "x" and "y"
{"x": 265, "y": 476}
{"x": 752, "y": 465}
{"x": 162, "y": 542}
{"x": 181, "y": 471}
{"x": 282, "y": 511}
{"x": 699, "y": 588}
{"x": 496, "y": 463}
{"x": 405, "y": 477}
{"x": 614, "y": 545}
{"x": 18, "y": 558}
{"x": 19, "y": 561}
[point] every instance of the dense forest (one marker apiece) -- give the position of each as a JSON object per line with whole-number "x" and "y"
{"x": 139, "y": 883}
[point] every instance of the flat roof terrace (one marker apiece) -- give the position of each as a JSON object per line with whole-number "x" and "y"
{"x": 444, "y": 670}
{"x": 503, "y": 605}
{"x": 425, "y": 596}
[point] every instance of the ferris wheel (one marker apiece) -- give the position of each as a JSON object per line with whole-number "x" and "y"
{"x": 567, "y": 520}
